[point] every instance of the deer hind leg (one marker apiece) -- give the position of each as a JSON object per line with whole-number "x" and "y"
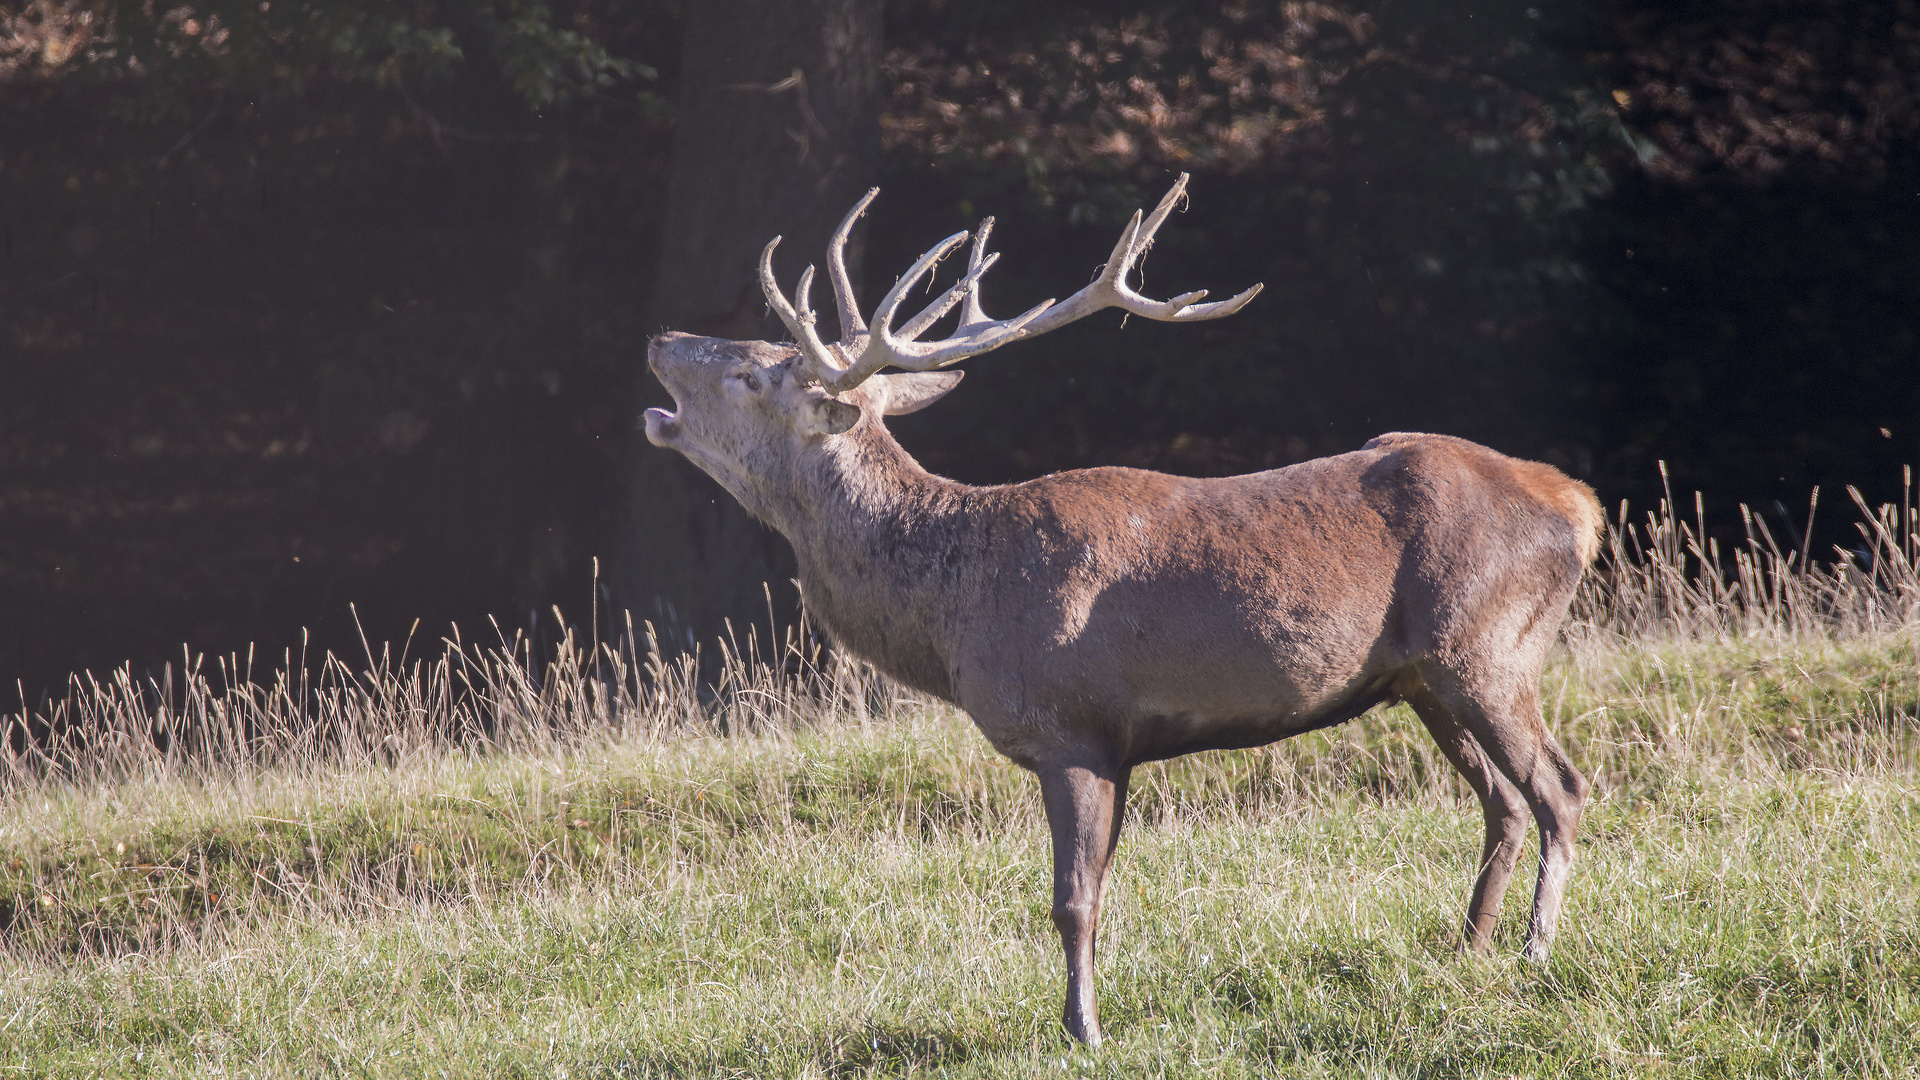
{"x": 1504, "y": 808}
{"x": 1084, "y": 810}
{"x": 1501, "y": 712}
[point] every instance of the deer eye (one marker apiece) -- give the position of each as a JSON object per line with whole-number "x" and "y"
{"x": 748, "y": 379}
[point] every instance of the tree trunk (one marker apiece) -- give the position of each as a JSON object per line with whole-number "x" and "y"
{"x": 778, "y": 134}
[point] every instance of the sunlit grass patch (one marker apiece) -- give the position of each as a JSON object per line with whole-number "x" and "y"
{"x": 1762, "y": 927}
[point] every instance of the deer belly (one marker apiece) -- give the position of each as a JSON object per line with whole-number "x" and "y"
{"x": 1168, "y": 734}
{"x": 1151, "y": 669}
{"x": 1238, "y": 688}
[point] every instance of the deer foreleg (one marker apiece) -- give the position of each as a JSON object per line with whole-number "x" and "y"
{"x": 1084, "y": 810}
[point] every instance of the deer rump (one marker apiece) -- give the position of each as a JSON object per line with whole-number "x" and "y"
{"x": 1143, "y": 616}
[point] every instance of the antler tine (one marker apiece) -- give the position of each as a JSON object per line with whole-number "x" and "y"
{"x": 888, "y": 349}
{"x": 974, "y": 321}
{"x": 1159, "y": 216}
{"x": 818, "y": 358}
{"x": 898, "y": 348}
{"x": 1185, "y": 307}
{"x": 966, "y": 287}
{"x": 851, "y": 323}
{"x": 982, "y": 338}
{"x": 1110, "y": 289}
{"x": 875, "y": 355}
{"x": 971, "y": 313}
{"x": 1194, "y": 312}
{"x": 975, "y": 324}
{"x": 890, "y": 303}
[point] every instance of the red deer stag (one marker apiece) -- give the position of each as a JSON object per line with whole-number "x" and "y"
{"x": 1093, "y": 620}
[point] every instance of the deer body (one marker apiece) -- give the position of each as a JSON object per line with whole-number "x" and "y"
{"x": 1105, "y": 595}
{"x": 1092, "y": 620}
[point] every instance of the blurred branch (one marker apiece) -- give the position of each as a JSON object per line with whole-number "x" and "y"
{"x": 795, "y": 84}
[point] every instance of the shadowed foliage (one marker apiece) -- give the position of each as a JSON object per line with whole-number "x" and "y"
{"x": 319, "y": 304}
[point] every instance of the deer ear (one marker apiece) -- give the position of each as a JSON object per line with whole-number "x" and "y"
{"x": 826, "y": 416}
{"x": 911, "y": 391}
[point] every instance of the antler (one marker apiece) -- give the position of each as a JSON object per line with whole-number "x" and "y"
{"x": 861, "y": 352}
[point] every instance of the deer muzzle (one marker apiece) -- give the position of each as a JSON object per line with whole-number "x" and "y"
{"x": 662, "y": 425}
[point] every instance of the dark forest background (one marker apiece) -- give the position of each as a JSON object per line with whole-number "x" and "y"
{"x": 311, "y": 305}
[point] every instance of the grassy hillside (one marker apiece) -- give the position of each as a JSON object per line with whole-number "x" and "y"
{"x": 480, "y": 865}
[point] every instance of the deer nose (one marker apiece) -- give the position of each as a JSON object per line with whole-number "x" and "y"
{"x": 655, "y": 346}
{"x": 661, "y": 345}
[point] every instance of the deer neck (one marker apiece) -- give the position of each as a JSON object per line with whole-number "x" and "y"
{"x": 872, "y": 531}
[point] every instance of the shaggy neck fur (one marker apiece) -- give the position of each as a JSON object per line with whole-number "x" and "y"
{"x": 878, "y": 539}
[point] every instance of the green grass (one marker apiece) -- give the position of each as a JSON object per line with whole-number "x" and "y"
{"x": 854, "y": 898}
{"x": 473, "y": 867}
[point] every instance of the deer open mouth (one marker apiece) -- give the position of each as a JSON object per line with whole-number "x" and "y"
{"x": 663, "y": 427}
